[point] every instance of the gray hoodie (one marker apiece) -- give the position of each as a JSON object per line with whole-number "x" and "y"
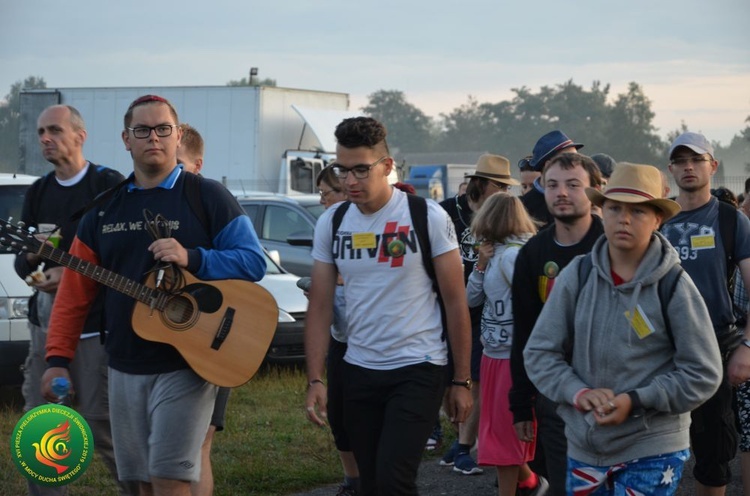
{"x": 671, "y": 379}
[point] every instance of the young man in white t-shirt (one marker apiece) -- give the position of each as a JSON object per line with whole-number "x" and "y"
{"x": 396, "y": 355}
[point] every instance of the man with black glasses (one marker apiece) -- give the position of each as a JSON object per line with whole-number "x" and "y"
{"x": 702, "y": 235}
{"x": 160, "y": 408}
{"x": 394, "y": 364}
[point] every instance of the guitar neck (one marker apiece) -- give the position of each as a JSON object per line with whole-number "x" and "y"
{"x": 101, "y": 275}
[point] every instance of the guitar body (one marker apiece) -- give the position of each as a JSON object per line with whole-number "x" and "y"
{"x": 221, "y": 328}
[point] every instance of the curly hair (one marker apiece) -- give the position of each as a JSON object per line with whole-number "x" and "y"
{"x": 356, "y": 132}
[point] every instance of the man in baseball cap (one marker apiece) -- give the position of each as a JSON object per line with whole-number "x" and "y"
{"x": 705, "y": 248}
{"x": 547, "y": 147}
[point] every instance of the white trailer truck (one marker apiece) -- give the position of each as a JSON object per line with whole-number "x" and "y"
{"x": 257, "y": 138}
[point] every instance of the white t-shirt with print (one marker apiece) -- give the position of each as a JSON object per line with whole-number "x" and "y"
{"x": 392, "y": 313}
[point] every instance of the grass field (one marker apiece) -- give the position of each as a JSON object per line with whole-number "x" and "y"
{"x": 267, "y": 448}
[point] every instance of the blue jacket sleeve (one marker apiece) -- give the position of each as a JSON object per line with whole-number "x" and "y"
{"x": 236, "y": 254}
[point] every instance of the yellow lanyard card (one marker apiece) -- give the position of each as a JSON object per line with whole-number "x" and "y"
{"x": 363, "y": 241}
{"x": 640, "y": 322}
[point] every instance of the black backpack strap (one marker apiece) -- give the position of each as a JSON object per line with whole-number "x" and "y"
{"x": 192, "y": 192}
{"x": 418, "y": 212}
{"x": 727, "y": 226}
{"x": 338, "y": 216}
{"x": 666, "y": 288}
{"x": 584, "y": 267}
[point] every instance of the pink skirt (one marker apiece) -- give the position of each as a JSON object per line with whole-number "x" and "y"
{"x": 498, "y": 443}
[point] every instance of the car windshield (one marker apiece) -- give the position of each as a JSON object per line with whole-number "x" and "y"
{"x": 316, "y": 209}
{"x": 11, "y": 201}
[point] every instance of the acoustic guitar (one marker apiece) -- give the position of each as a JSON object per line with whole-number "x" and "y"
{"x": 221, "y": 328}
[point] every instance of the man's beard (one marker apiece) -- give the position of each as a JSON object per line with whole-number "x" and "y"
{"x": 569, "y": 218}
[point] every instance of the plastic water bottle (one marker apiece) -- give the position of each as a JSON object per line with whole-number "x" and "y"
{"x": 61, "y": 388}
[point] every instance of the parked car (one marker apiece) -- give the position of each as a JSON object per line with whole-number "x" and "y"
{"x": 14, "y": 292}
{"x": 285, "y": 224}
{"x": 288, "y": 343}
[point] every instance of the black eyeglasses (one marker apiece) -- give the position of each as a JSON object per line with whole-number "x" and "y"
{"x": 360, "y": 171}
{"x": 695, "y": 160}
{"x": 143, "y": 132}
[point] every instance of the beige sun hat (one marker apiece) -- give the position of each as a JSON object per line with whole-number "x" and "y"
{"x": 495, "y": 168}
{"x": 635, "y": 183}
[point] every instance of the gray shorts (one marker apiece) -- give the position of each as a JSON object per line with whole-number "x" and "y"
{"x": 159, "y": 423}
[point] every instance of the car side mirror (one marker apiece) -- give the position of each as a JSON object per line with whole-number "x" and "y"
{"x": 300, "y": 239}
{"x": 275, "y": 256}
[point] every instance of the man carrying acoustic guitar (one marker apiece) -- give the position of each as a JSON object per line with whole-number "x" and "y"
{"x": 160, "y": 340}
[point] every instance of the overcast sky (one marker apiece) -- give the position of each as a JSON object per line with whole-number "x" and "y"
{"x": 691, "y": 57}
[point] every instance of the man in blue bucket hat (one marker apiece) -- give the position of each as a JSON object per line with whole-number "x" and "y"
{"x": 547, "y": 147}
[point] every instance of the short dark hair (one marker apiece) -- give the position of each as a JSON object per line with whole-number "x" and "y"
{"x": 146, "y": 99}
{"x": 355, "y": 132}
{"x": 570, "y": 160}
{"x": 476, "y": 188}
{"x": 525, "y": 164}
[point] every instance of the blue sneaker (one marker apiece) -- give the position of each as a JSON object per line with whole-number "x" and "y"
{"x": 447, "y": 459}
{"x": 465, "y": 464}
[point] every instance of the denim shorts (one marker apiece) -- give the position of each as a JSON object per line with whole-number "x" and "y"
{"x": 655, "y": 475}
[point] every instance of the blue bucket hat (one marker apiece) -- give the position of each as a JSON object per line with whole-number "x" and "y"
{"x": 548, "y": 145}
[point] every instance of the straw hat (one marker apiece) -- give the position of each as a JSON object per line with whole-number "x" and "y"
{"x": 635, "y": 183}
{"x": 495, "y": 168}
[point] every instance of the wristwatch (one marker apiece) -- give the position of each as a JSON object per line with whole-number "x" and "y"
{"x": 467, "y": 383}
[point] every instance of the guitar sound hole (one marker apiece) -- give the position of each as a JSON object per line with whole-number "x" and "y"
{"x": 179, "y": 312}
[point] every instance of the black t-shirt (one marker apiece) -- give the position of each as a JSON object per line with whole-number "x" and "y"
{"x": 48, "y": 202}
{"x": 538, "y": 263}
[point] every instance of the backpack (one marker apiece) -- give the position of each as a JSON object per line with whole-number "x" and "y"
{"x": 418, "y": 213}
{"x": 665, "y": 287}
{"x": 97, "y": 182}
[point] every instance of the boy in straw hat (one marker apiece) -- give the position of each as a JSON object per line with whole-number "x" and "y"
{"x": 625, "y": 376}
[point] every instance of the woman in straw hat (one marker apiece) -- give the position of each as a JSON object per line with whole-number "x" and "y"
{"x": 625, "y": 367}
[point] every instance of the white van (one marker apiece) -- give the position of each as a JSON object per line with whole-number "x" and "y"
{"x": 14, "y": 293}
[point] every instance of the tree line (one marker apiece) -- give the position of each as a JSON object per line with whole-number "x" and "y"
{"x": 621, "y": 126}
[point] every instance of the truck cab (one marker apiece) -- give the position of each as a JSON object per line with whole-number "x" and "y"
{"x": 14, "y": 292}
